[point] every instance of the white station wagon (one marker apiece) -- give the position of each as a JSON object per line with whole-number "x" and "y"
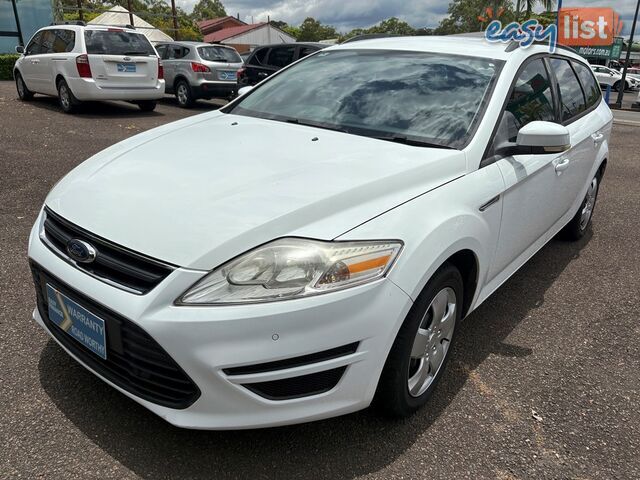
{"x": 387, "y": 187}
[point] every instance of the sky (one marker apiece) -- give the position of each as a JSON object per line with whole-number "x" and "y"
{"x": 348, "y": 14}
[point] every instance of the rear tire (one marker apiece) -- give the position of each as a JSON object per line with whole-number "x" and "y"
{"x": 581, "y": 221}
{"x": 147, "y": 105}
{"x": 68, "y": 102}
{"x": 420, "y": 352}
{"x": 24, "y": 93}
{"x": 184, "y": 95}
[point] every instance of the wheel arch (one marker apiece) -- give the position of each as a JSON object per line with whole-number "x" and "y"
{"x": 179, "y": 77}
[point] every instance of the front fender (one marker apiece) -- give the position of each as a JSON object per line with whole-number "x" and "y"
{"x": 438, "y": 224}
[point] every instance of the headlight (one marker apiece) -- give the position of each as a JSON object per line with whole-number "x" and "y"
{"x": 293, "y": 268}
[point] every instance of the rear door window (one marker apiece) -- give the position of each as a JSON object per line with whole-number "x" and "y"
{"x": 572, "y": 101}
{"x": 259, "y": 57}
{"x": 117, "y": 42}
{"x": 47, "y": 40}
{"x": 64, "y": 41}
{"x": 176, "y": 52}
{"x": 162, "y": 50}
{"x": 281, "y": 56}
{"x": 589, "y": 83}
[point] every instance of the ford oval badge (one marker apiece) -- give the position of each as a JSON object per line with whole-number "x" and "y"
{"x": 81, "y": 251}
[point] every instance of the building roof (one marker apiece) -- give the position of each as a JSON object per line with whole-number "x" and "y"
{"x": 204, "y": 24}
{"x": 120, "y": 16}
{"x": 225, "y": 33}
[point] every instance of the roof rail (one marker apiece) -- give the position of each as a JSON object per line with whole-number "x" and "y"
{"x": 513, "y": 45}
{"x": 70, "y": 22}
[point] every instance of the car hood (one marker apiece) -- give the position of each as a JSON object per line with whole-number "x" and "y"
{"x": 200, "y": 191}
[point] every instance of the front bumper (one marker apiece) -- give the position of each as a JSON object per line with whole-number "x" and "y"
{"x": 206, "y": 342}
{"x": 86, "y": 89}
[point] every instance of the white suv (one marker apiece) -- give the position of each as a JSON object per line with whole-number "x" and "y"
{"x": 386, "y": 188}
{"x": 607, "y": 76}
{"x": 84, "y": 63}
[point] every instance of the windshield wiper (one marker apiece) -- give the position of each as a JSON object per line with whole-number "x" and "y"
{"x": 410, "y": 141}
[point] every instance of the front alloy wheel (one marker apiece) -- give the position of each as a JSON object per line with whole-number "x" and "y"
{"x": 432, "y": 341}
{"x": 23, "y": 92}
{"x": 420, "y": 352}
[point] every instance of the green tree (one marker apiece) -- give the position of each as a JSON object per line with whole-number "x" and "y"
{"x": 392, "y": 26}
{"x": 311, "y": 30}
{"x": 207, "y": 9}
{"x": 464, "y": 15}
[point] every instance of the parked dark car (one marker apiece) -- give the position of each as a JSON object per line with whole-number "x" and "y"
{"x": 268, "y": 59}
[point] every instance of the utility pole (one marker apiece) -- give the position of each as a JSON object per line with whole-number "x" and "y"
{"x": 80, "y": 14}
{"x": 130, "y": 14}
{"x": 176, "y": 35}
{"x": 626, "y": 61}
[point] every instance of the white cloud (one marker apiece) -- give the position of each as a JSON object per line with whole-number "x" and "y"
{"x": 348, "y": 14}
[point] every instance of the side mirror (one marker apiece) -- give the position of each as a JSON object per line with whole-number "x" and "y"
{"x": 20, "y": 49}
{"x": 244, "y": 90}
{"x": 539, "y": 138}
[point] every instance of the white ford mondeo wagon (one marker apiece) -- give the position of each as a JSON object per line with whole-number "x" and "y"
{"x": 385, "y": 189}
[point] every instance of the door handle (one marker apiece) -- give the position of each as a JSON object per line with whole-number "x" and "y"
{"x": 598, "y": 137}
{"x": 263, "y": 74}
{"x": 562, "y": 165}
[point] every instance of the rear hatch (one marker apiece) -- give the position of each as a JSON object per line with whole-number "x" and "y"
{"x": 223, "y": 63}
{"x": 121, "y": 59}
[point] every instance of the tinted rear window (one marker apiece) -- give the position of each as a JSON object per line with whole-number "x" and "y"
{"x": 219, "y": 54}
{"x": 572, "y": 99}
{"x": 117, "y": 42}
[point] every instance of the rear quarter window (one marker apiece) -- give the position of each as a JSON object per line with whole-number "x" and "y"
{"x": 589, "y": 83}
{"x": 64, "y": 41}
{"x": 117, "y": 42}
{"x": 258, "y": 56}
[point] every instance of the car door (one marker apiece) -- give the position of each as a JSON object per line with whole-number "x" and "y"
{"x": 579, "y": 95}
{"x": 532, "y": 182}
{"x": 58, "y": 57}
{"x": 29, "y": 68}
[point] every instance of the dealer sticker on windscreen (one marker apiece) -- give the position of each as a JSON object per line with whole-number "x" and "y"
{"x": 76, "y": 321}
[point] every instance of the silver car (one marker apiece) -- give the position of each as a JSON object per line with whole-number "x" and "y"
{"x": 194, "y": 70}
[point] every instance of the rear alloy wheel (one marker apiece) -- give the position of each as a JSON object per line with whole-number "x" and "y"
{"x": 68, "y": 102}
{"x": 147, "y": 105}
{"x": 419, "y": 354}
{"x": 578, "y": 225}
{"x": 23, "y": 92}
{"x": 184, "y": 95}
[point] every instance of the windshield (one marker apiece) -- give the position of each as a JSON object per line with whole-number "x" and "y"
{"x": 117, "y": 42}
{"x": 403, "y": 96}
{"x": 219, "y": 54}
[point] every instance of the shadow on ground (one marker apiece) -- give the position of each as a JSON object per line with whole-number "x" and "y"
{"x": 363, "y": 442}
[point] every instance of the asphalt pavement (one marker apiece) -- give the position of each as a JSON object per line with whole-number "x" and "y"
{"x": 544, "y": 381}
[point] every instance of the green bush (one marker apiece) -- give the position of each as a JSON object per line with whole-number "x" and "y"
{"x": 6, "y": 66}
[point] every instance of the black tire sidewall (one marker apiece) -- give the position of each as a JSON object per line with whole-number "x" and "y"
{"x": 393, "y": 395}
{"x": 190, "y": 98}
{"x": 72, "y": 100}
{"x": 27, "y": 94}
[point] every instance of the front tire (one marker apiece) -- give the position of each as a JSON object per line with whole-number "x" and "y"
{"x": 23, "y": 92}
{"x": 147, "y": 105}
{"x": 581, "y": 221}
{"x": 67, "y": 100}
{"x": 184, "y": 95}
{"x": 420, "y": 352}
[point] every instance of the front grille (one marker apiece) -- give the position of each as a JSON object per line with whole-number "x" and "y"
{"x": 297, "y": 387}
{"x": 113, "y": 263}
{"x": 135, "y": 361}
